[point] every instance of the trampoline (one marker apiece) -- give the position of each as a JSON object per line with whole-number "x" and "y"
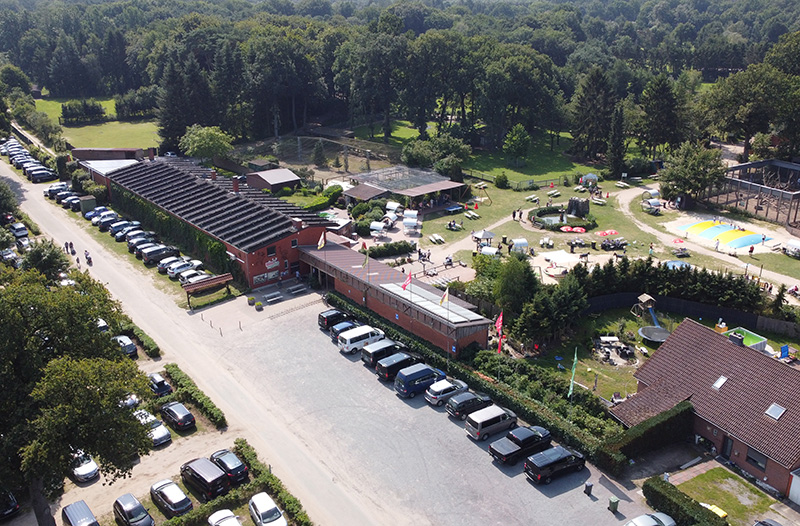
{"x": 654, "y": 334}
{"x": 725, "y": 234}
{"x": 677, "y": 264}
{"x": 714, "y": 231}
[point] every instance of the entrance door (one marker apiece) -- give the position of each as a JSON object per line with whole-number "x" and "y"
{"x": 727, "y": 444}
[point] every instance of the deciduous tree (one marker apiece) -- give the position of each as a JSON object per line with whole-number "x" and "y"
{"x": 691, "y": 170}
{"x": 205, "y": 142}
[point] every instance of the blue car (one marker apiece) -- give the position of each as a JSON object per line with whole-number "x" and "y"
{"x": 96, "y": 212}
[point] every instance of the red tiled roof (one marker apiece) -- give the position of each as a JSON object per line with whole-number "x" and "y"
{"x": 688, "y": 364}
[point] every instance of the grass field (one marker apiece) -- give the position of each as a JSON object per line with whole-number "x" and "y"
{"x": 402, "y": 132}
{"x": 113, "y": 134}
{"x": 720, "y": 487}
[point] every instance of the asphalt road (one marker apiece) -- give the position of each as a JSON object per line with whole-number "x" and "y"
{"x": 342, "y": 442}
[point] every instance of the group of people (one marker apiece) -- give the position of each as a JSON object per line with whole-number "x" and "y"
{"x": 69, "y": 248}
{"x": 516, "y": 214}
{"x": 452, "y": 225}
{"x": 424, "y": 255}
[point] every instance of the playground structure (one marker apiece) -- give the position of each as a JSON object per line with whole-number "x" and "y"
{"x": 654, "y": 333}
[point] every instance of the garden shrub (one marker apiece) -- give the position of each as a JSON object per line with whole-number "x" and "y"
{"x": 501, "y": 181}
{"x": 132, "y": 330}
{"x": 390, "y": 249}
{"x": 362, "y": 227}
{"x": 187, "y": 390}
{"x": 686, "y": 511}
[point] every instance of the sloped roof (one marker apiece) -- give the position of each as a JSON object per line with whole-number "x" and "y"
{"x": 248, "y": 219}
{"x": 364, "y": 192}
{"x": 276, "y": 176}
{"x": 687, "y": 365}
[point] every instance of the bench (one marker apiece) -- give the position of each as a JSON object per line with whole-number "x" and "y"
{"x": 433, "y": 239}
{"x": 635, "y": 180}
{"x": 532, "y": 198}
{"x": 273, "y": 297}
{"x": 620, "y": 184}
{"x": 601, "y": 202}
{"x": 481, "y": 186}
{"x": 776, "y": 247}
{"x": 551, "y": 193}
{"x": 297, "y": 289}
{"x": 439, "y": 239}
{"x": 580, "y": 188}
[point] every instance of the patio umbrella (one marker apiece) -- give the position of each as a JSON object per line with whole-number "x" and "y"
{"x": 602, "y": 233}
{"x": 484, "y": 234}
{"x": 579, "y": 229}
{"x": 566, "y": 228}
{"x": 612, "y": 232}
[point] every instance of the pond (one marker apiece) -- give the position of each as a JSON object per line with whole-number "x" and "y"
{"x": 555, "y": 219}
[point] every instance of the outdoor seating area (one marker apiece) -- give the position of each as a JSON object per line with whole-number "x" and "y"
{"x": 533, "y": 198}
{"x": 273, "y": 297}
{"x": 580, "y": 188}
{"x": 472, "y": 215}
{"x": 681, "y": 252}
{"x": 546, "y": 242}
{"x": 297, "y": 289}
{"x": 436, "y": 238}
{"x": 554, "y": 193}
{"x": 598, "y": 201}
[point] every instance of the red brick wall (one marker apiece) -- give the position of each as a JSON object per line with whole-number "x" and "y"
{"x": 412, "y": 325}
{"x": 776, "y": 475}
{"x": 259, "y": 263}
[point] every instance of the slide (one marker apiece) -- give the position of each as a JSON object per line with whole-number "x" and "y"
{"x": 653, "y": 314}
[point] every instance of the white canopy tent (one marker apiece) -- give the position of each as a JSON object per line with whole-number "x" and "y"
{"x": 560, "y": 258}
{"x": 519, "y": 245}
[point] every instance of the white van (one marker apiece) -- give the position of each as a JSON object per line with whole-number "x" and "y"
{"x": 355, "y": 339}
{"x": 792, "y": 248}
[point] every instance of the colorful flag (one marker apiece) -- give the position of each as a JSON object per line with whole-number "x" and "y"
{"x": 407, "y": 282}
{"x": 499, "y": 323}
{"x": 572, "y": 381}
{"x": 321, "y": 242}
{"x": 445, "y": 296}
{"x": 500, "y": 345}
{"x": 366, "y": 259}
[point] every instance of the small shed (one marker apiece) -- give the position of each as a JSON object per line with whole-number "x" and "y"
{"x": 389, "y": 218}
{"x": 652, "y": 206}
{"x": 394, "y": 206}
{"x": 519, "y": 245}
{"x": 377, "y": 226}
{"x": 651, "y": 194}
{"x": 273, "y": 180}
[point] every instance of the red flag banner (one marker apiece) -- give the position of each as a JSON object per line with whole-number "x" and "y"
{"x": 407, "y": 282}
{"x": 499, "y": 323}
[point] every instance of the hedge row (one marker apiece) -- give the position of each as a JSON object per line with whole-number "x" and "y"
{"x": 328, "y": 197}
{"x": 663, "y": 429}
{"x": 532, "y": 411}
{"x": 588, "y": 223}
{"x": 188, "y": 391}
{"x": 261, "y": 480}
{"x": 286, "y": 501}
{"x": 150, "y": 347}
{"x": 686, "y": 511}
{"x": 390, "y": 249}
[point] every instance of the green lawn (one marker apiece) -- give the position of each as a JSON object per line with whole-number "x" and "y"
{"x": 542, "y": 163}
{"x": 114, "y": 134}
{"x": 742, "y": 501}
{"x": 402, "y": 132}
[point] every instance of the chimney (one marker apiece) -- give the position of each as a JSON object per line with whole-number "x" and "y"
{"x": 213, "y": 175}
{"x": 298, "y": 223}
{"x": 151, "y": 154}
{"x": 235, "y": 181}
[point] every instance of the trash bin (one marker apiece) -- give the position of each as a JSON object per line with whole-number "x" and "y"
{"x": 613, "y": 504}
{"x": 505, "y": 242}
{"x": 571, "y": 248}
{"x": 587, "y": 488}
{"x": 594, "y": 245}
{"x": 474, "y": 253}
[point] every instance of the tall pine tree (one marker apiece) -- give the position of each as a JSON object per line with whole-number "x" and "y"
{"x": 593, "y": 106}
{"x": 661, "y": 114}
{"x": 172, "y": 109}
{"x": 616, "y": 144}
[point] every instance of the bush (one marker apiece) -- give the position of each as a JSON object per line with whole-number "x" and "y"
{"x": 390, "y": 249}
{"x": 362, "y": 227}
{"x": 186, "y": 390}
{"x": 132, "y": 330}
{"x": 686, "y": 511}
{"x": 501, "y": 181}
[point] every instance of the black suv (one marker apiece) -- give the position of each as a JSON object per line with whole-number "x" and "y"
{"x": 519, "y": 443}
{"x": 329, "y": 318}
{"x": 177, "y": 416}
{"x": 461, "y": 405}
{"x": 542, "y": 467}
{"x": 228, "y": 462}
{"x": 159, "y": 385}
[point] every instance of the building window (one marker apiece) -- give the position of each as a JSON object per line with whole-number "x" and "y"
{"x": 757, "y": 459}
{"x": 270, "y": 251}
{"x": 294, "y": 243}
{"x": 286, "y": 264}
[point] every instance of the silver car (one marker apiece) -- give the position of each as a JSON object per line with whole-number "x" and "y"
{"x": 439, "y": 392}
{"x": 158, "y": 432}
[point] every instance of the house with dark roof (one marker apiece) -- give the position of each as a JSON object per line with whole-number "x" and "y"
{"x": 273, "y": 180}
{"x": 260, "y": 232}
{"x": 745, "y": 402}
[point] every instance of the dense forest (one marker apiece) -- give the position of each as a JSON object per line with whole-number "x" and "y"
{"x": 475, "y": 68}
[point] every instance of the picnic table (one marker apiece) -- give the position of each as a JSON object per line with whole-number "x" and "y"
{"x": 532, "y": 198}
{"x": 453, "y": 209}
{"x": 472, "y": 215}
{"x": 620, "y": 184}
{"x": 273, "y": 297}
{"x": 297, "y": 289}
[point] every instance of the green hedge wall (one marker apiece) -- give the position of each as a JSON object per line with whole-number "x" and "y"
{"x": 665, "y": 428}
{"x": 535, "y": 412}
{"x": 686, "y": 511}
{"x": 390, "y": 249}
{"x": 150, "y": 347}
{"x": 261, "y": 479}
{"x": 186, "y": 390}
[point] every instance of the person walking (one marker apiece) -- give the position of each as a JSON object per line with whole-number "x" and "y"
{"x": 716, "y": 245}
{"x": 752, "y": 249}
{"x": 513, "y": 215}
{"x": 763, "y": 238}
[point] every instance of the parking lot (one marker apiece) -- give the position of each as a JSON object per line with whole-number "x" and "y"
{"x": 344, "y": 443}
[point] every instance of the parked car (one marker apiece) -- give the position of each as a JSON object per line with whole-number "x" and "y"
{"x": 102, "y": 325}
{"x": 60, "y": 196}
{"x": 201, "y": 277}
{"x": 8, "y": 504}
{"x": 151, "y": 257}
{"x": 39, "y": 176}
{"x": 170, "y": 498}
{"x": 128, "y": 511}
{"x": 83, "y": 467}
{"x": 223, "y": 518}
{"x": 177, "y": 416}
{"x": 23, "y": 244}
{"x": 102, "y": 216}
{"x": 54, "y": 188}
{"x": 70, "y": 201}
{"x": 159, "y": 385}
{"x": 95, "y": 211}
{"x": 127, "y": 345}
{"x": 132, "y": 225}
{"x": 342, "y": 326}
{"x": 76, "y": 205}
{"x": 10, "y": 258}
{"x": 174, "y": 270}
{"x": 164, "y": 264}
{"x": 543, "y": 466}
{"x": 416, "y": 379}
{"x": 116, "y": 226}
{"x": 186, "y": 275}
{"x": 137, "y": 250}
{"x": 264, "y": 512}
{"x": 231, "y": 465}
{"x": 329, "y": 318}
{"x": 18, "y": 229}
{"x": 655, "y": 519}
{"x": 6, "y": 219}
{"x": 205, "y": 478}
{"x": 135, "y": 243}
{"x": 374, "y": 352}
{"x": 439, "y": 392}
{"x": 158, "y": 432}
{"x": 519, "y": 443}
